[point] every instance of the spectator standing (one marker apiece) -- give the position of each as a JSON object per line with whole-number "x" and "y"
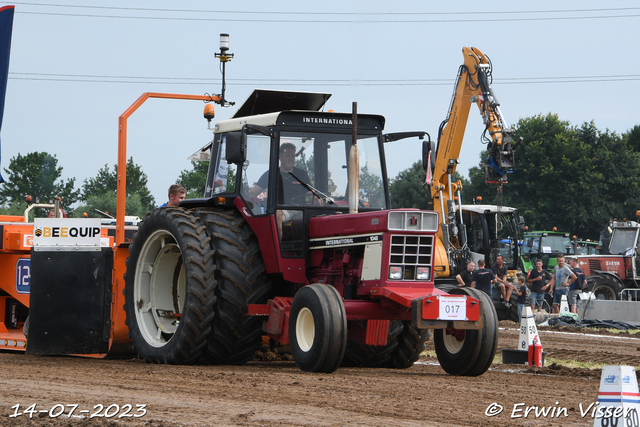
{"x": 538, "y": 280}
{"x": 577, "y": 286}
{"x": 521, "y": 290}
{"x": 465, "y": 278}
{"x": 482, "y": 278}
{"x": 561, "y": 279}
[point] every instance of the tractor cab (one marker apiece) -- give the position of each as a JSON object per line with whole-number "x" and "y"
{"x": 625, "y": 241}
{"x": 544, "y": 245}
{"x": 492, "y": 231}
{"x": 282, "y": 168}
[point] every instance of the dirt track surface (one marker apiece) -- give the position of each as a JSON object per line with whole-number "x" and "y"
{"x": 276, "y": 393}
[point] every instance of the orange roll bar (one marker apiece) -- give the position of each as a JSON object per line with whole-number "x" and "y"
{"x": 122, "y": 150}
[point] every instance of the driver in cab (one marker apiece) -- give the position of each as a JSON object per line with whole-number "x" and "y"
{"x": 293, "y": 193}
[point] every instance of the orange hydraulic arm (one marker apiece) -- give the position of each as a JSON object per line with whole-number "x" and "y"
{"x": 472, "y": 86}
{"x": 122, "y": 150}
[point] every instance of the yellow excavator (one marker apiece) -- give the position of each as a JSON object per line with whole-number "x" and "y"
{"x": 472, "y": 232}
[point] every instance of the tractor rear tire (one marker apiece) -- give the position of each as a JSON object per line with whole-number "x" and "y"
{"x": 318, "y": 328}
{"x": 411, "y": 342}
{"x": 241, "y": 280}
{"x": 369, "y": 356}
{"x": 169, "y": 287}
{"x": 603, "y": 287}
{"x": 469, "y": 352}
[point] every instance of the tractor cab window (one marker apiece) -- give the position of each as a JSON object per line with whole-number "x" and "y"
{"x": 255, "y": 173}
{"x": 502, "y": 227}
{"x": 371, "y": 191}
{"x": 531, "y": 245}
{"x": 556, "y": 244}
{"x": 491, "y": 234}
{"x": 222, "y": 175}
{"x": 475, "y": 232}
{"x": 313, "y": 178}
{"x": 622, "y": 241}
{"x": 321, "y": 160}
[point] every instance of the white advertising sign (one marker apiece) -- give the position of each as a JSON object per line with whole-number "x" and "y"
{"x": 66, "y": 232}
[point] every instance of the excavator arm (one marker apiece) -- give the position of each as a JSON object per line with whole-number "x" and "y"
{"x": 473, "y": 86}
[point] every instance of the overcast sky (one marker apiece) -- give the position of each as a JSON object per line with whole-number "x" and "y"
{"x": 76, "y": 67}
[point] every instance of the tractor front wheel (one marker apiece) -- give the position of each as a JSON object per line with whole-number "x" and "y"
{"x": 469, "y": 352}
{"x": 318, "y": 328}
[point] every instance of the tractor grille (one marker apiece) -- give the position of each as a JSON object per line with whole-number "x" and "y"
{"x": 594, "y": 264}
{"x": 411, "y": 252}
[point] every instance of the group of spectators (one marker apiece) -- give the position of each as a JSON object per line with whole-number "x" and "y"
{"x": 565, "y": 280}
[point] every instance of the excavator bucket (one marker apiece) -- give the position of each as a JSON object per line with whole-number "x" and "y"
{"x": 501, "y": 159}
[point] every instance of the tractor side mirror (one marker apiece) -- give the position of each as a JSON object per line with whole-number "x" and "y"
{"x": 236, "y": 147}
{"x": 425, "y": 154}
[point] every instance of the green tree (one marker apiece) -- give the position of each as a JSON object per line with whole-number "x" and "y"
{"x": 632, "y": 137}
{"x": 17, "y": 208}
{"x": 407, "y": 189}
{"x": 551, "y": 167}
{"x": 37, "y": 174}
{"x": 476, "y": 186}
{"x": 615, "y": 172}
{"x": 106, "y": 182}
{"x": 103, "y": 182}
{"x": 194, "y": 180}
{"x": 573, "y": 178}
{"x": 371, "y": 190}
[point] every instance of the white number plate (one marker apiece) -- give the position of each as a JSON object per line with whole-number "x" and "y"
{"x": 452, "y": 308}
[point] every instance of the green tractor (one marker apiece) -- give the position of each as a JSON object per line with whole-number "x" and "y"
{"x": 544, "y": 245}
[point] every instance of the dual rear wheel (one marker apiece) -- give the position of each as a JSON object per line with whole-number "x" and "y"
{"x": 170, "y": 287}
{"x": 190, "y": 278}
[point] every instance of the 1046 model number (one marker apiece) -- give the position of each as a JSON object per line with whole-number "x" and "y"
{"x": 99, "y": 410}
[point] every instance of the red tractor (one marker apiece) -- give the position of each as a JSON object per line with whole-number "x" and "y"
{"x": 295, "y": 240}
{"x": 619, "y": 267}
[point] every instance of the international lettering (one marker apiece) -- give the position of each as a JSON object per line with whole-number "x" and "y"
{"x": 338, "y": 242}
{"x": 327, "y": 121}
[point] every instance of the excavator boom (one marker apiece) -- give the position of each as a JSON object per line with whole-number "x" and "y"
{"x": 473, "y": 86}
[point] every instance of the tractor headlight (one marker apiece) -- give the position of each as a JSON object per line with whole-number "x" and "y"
{"x": 423, "y": 273}
{"x": 395, "y": 272}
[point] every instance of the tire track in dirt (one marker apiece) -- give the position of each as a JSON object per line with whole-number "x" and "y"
{"x": 276, "y": 393}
